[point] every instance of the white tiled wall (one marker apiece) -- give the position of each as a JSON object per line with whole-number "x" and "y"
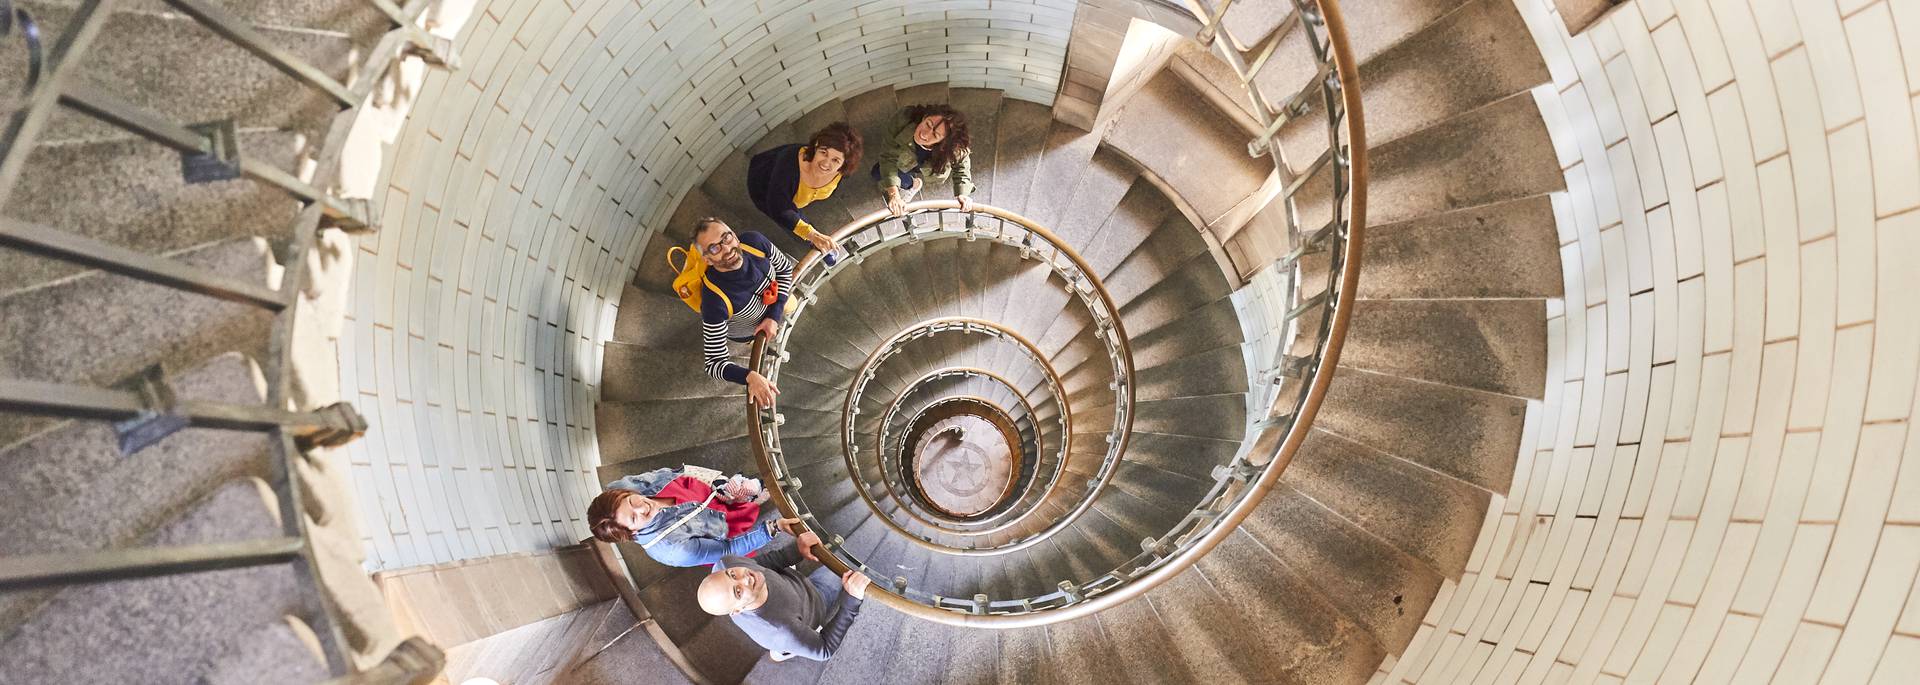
{"x": 524, "y": 187}
{"x": 1733, "y": 372}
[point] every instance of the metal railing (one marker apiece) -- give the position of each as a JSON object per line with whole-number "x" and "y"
{"x": 993, "y": 522}
{"x": 146, "y": 411}
{"x": 911, "y": 481}
{"x": 871, "y": 235}
{"x": 1240, "y": 484}
{"x": 1021, "y": 508}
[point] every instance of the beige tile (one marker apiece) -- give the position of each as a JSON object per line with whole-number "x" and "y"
{"x": 1666, "y": 296}
{"x": 1826, "y": 44}
{"x": 1901, "y": 661}
{"x": 1710, "y": 611}
{"x": 1686, "y": 379}
{"x": 1758, "y": 483}
{"x": 1896, "y": 345}
{"x": 1632, "y": 217}
{"x": 1681, "y": 196}
{"x": 1599, "y": 90}
{"x": 1605, "y": 638}
{"x": 1560, "y": 131}
{"x": 1729, "y": 465}
{"x": 1906, "y": 20}
{"x": 1816, "y": 336}
{"x": 1749, "y": 65}
{"x": 1703, "y": 34}
{"x": 1729, "y": 644}
{"x": 1854, "y": 223}
{"x": 1651, "y": 76}
{"x": 1648, "y": 607}
{"x": 1783, "y": 249}
{"x": 1716, "y": 241}
{"x": 1889, "y": 110}
{"x": 1743, "y": 188}
{"x": 1756, "y": 585}
{"x": 1864, "y": 639}
{"x": 1606, "y": 41}
{"x": 1550, "y": 34}
{"x": 1655, "y": 12}
{"x": 1827, "y": 491}
{"x": 1781, "y": 617}
{"x": 1865, "y": 513}
{"x": 1779, "y": 30}
{"x": 1660, "y": 643}
{"x": 1743, "y": 375}
{"x": 1633, "y": 114}
{"x": 1690, "y": 98}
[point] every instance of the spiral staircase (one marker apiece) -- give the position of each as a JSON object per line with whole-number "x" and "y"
{"x": 1383, "y": 499}
{"x": 1257, "y": 348}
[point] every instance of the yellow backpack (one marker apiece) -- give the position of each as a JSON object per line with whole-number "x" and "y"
{"x": 692, "y": 275}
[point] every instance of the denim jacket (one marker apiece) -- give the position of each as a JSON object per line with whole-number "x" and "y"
{"x": 700, "y": 541}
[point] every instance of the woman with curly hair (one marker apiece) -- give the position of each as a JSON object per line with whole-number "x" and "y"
{"x": 786, "y": 179}
{"x": 929, "y": 144}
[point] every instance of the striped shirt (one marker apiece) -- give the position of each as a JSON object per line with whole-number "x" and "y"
{"x": 743, "y": 287}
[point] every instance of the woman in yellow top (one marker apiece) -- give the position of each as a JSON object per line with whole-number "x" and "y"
{"x": 785, "y": 179}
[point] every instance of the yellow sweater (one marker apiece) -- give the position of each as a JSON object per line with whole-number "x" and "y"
{"x": 804, "y": 195}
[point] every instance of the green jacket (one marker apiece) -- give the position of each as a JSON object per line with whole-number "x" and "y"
{"x": 899, "y": 157}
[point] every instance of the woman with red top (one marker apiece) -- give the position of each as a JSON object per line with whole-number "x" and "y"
{"x": 681, "y": 521}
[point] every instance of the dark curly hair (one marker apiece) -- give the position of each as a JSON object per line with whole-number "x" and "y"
{"x": 837, "y": 136}
{"x": 958, "y": 140}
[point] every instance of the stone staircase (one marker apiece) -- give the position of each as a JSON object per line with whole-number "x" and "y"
{"x": 69, "y": 488}
{"x": 1336, "y": 568}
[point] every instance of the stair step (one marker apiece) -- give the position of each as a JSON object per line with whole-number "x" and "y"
{"x": 1374, "y": 584}
{"x": 656, "y": 319}
{"x": 1478, "y": 53}
{"x": 1215, "y": 371}
{"x": 361, "y": 20}
{"x": 1024, "y": 658}
{"x": 923, "y": 94}
{"x": 1307, "y": 638}
{"x": 1426, "y": 514}
{"x": 1064, "y": 161}
{"x": 151, "y": 324}
{"x": 1496, "y": 153}
{"x": 1506, "y": 249}
{"x": 136, "y": 198}
{"x": 865, "y": 653}
{"x": 982, "y": 107}
{"x": 1212, "y": 416}
{"x": 67, "y": 485}
{"x": 212, "y": 78}
{"x": 1194, "y": 613}
{"x": 111, "y": 632}
{"x": 1082, "y": 654}
{"x": 1139, "y": 215}
{"x": 1017, "y": 152}
{"x": 631, "y": 430}
{"x": 1207, "y": 165}
{"x": 1465, "y": 434}
{"x": 631, "y": 373}
{"x": 1497, "y": 346}
{"x": 818, "y": 118}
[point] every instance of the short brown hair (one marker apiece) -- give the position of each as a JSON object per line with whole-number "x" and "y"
{"x": 837, "y": 136}
{"x": 600, "y": 516}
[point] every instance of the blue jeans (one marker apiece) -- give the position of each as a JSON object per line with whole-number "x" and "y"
{"x": 906, "y": 177}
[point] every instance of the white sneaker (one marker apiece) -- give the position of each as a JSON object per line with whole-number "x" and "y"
{"x": 779, "y": 656}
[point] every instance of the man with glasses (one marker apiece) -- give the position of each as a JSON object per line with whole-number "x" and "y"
{"x": 788, "y": 612}
{"x": 747, "y": 295}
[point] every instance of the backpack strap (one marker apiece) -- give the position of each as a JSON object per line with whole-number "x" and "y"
{"x": 753, "y": 250}
{"x": 723, "y": 296}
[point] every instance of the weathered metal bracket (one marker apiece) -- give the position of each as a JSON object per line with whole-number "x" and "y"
{"x": 157, "y": 420}
{"x": 221, "y": 161}
{"x": 343, "y": 424}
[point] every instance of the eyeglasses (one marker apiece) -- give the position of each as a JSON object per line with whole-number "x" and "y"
{"x": 718, "y": 246}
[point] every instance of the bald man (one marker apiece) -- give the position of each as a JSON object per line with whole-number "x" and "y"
{"x": 789, "y": 613}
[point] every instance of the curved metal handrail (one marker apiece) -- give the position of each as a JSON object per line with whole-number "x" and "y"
{"x": 932, "y": 326}
{"x": 1065, "y": 420}
{"x": 1039, "y": 448}
{"x": 1240, "y": 485}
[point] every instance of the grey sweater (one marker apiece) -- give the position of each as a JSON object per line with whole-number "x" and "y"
{"x": 795, "y": 618}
